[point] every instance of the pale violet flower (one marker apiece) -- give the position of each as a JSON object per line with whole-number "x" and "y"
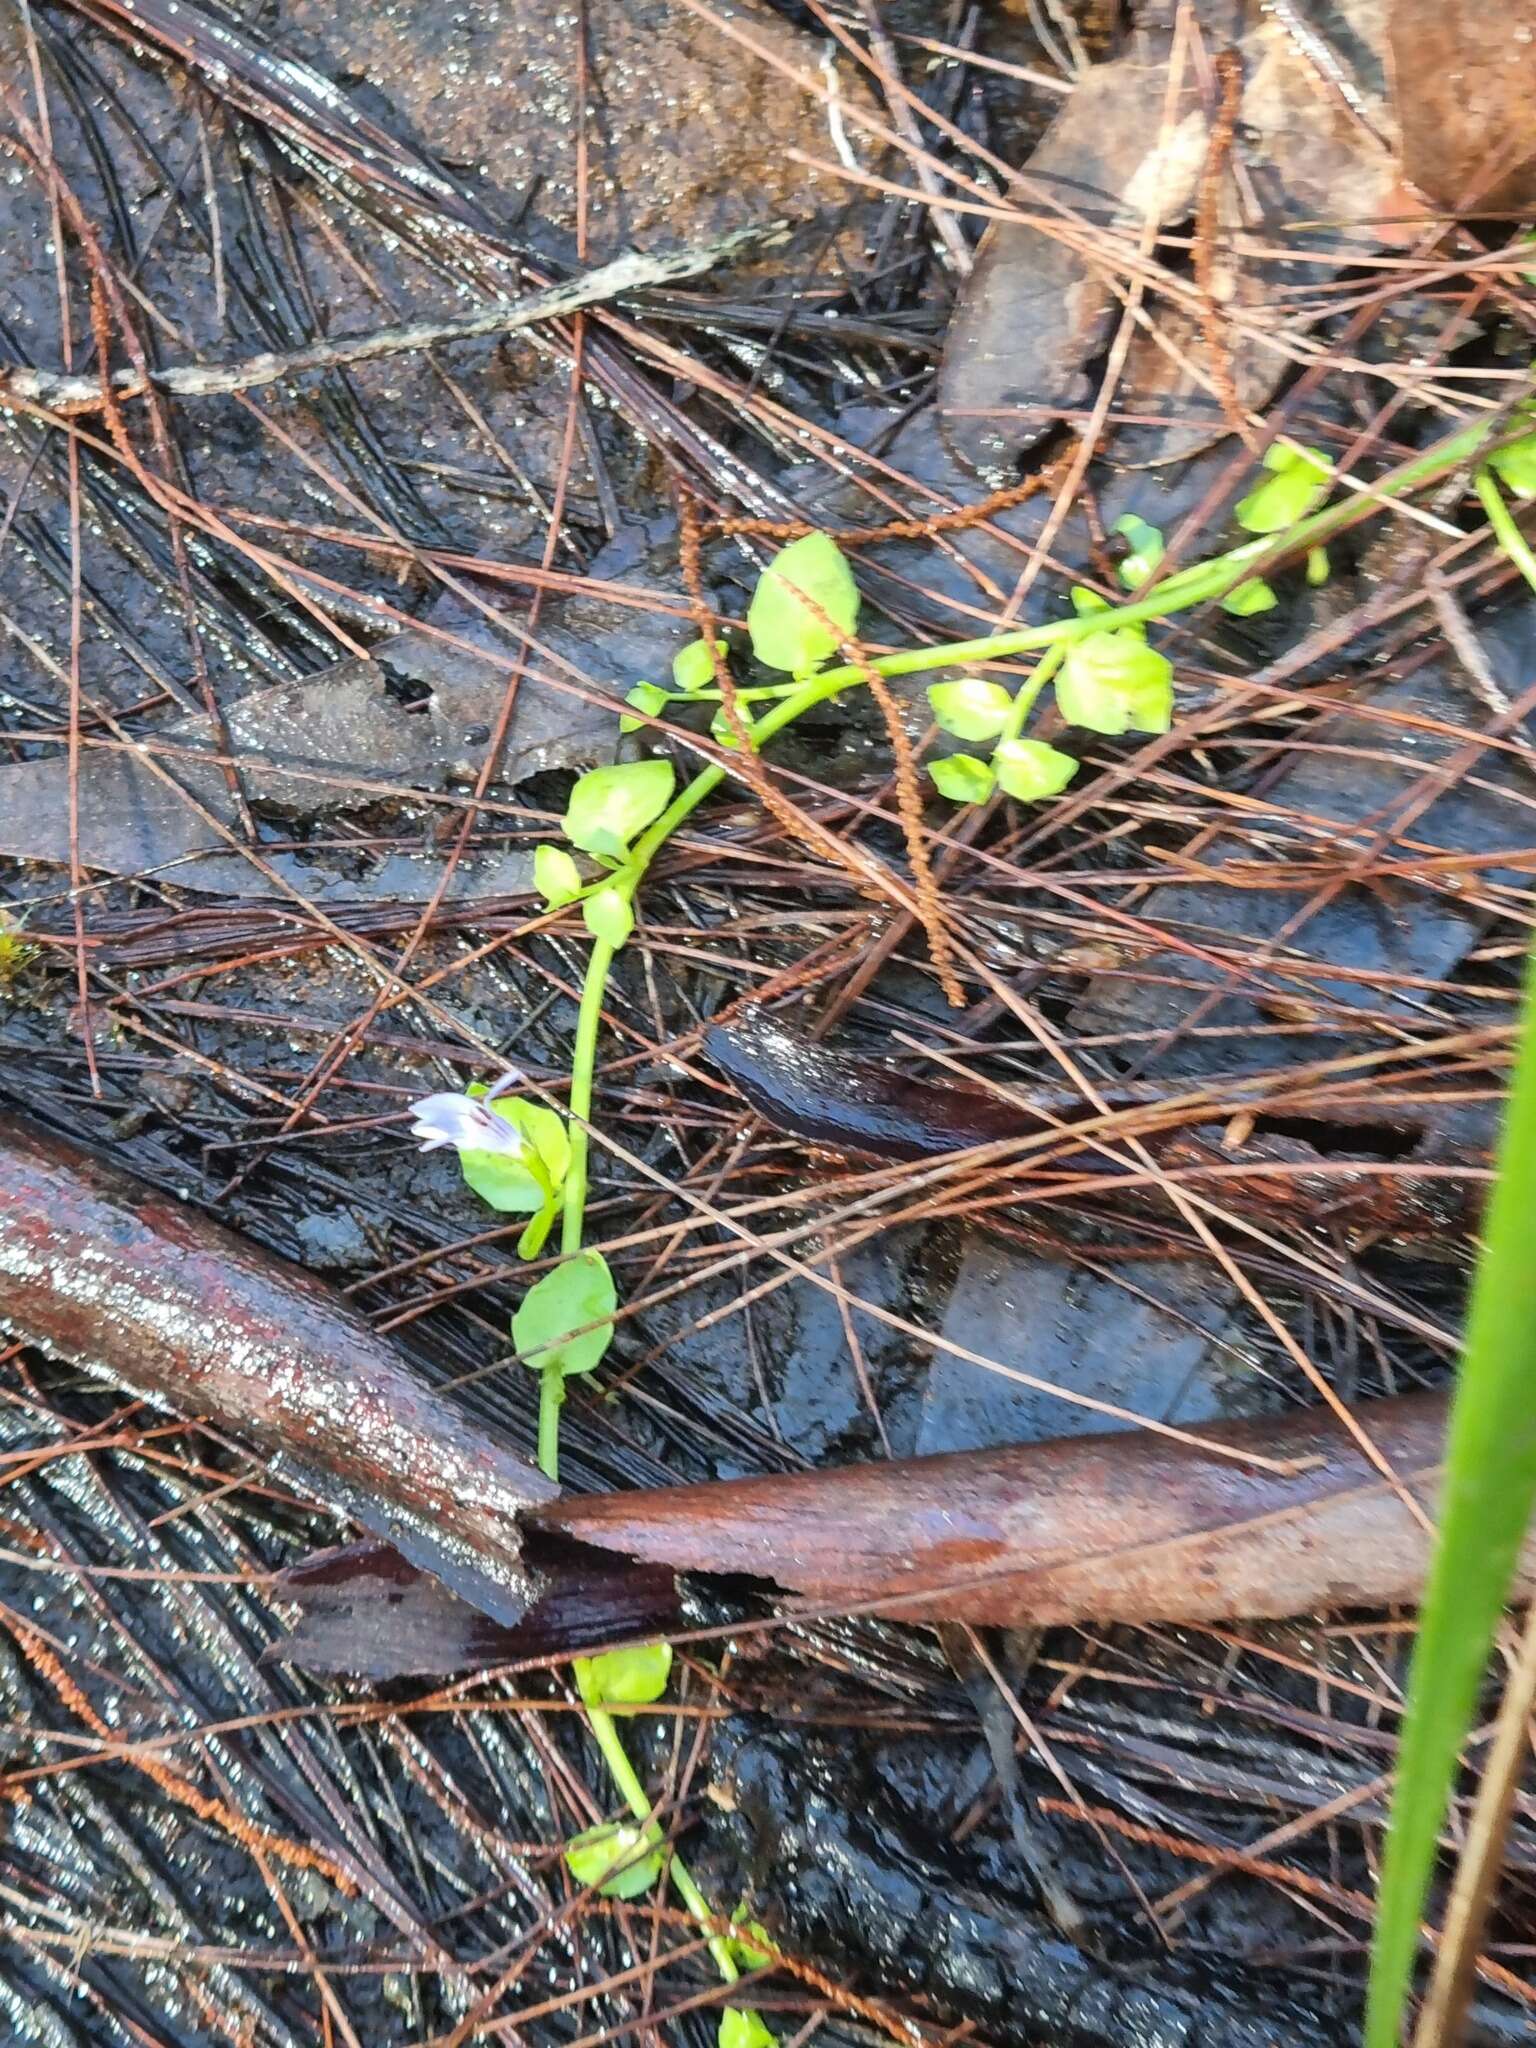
{"x": 466, "y": 1121}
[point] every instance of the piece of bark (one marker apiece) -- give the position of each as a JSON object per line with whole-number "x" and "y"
{"x": 1144, "y": 1335}
{"x": 847, "y": 1104}
{"x": 1035, "y": 308}
{"x": 1120, "y": 1528}
{"x": 365, "y": 1610}
{"x": 123, "y": 1281}
{"x": 1317, "y": 148}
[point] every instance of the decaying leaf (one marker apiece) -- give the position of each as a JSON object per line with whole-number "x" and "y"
{"x": 1036, "y": 307}
{"x": 1315, "y": 144}
{"x": 365, "y": 1610}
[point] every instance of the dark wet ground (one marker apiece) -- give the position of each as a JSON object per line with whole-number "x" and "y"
{"x": 286, "y": 1859}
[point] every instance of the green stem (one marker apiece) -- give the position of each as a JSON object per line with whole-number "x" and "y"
{"x": 1024, "y": 700}
{"x": 552, "y": 1393}
{"x": 574, "y": 1195}
{"x": 633, "y": 1793}
{"x": 1502, "y": 520}
{"x": 1194, "y": 586}
{"x": 551, "y": 1401}
{"x": 583, "y": 1068}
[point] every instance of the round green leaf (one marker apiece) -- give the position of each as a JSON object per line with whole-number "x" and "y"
{"x": 805, "y": 605}
{"x": 1298, "y": 481}
{"x": 692, "y": 668}
{"x": 625, "y": 1678}
{"x": 742, "y": 2027}
{"x": 1030, "y": 770}
{"x": 962, "y": 778}
{"x": 609, "y": 806}
{"x": 1114, "y": 682}
{"x": 1318, "y": 569}
{"x": 549, "y": 1326}
{"x": 972, "y": 708}
{"x": 644, "y": 697}
{"x": 608, "y": 915}
{"x": 1253, "y": 596}
{"x": 614, "y": 1858}
{"x": 555, "y": 875}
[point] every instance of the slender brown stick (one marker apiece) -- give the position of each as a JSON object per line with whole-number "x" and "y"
{"x": 75, "y": 394}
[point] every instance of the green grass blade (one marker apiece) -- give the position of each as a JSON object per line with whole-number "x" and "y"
{"x": 1485, "y": 1508}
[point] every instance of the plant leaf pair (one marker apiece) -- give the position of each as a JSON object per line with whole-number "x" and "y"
{"x": 1026, "y": 769}
{"x": 974, "y": 709}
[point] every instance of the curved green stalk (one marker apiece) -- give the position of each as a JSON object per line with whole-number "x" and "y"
{"x": 1502, "y": 520}
{"x": 1026, "y": 694}
{"x": 583, "y": 1069}
{"x": 616, "y": 1756}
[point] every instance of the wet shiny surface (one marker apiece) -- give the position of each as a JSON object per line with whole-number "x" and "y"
{"x": 108, "y": 1274}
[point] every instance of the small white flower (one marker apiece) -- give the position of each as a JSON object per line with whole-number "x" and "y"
{"x": 466, "y": 1121}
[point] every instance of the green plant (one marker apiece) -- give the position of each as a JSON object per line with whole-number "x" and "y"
{"x": 623, "y": 1860}
{"x": 16, "y": 952}
{"x": 1108, "y": 679}
{"x": 802, "y": 614}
